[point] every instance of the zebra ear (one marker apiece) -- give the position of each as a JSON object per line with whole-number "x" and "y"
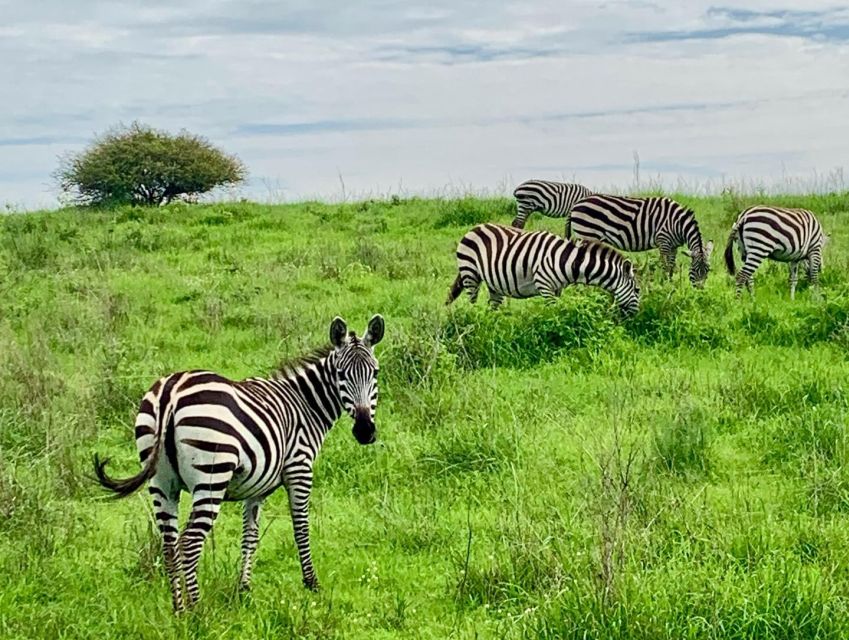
{"x": 629, "y": 269}
{"x": 338, "y": 332}
{"x": 374, "y": 332}
{"x": 686, "y": 253}
{"x": 708, "y": 249}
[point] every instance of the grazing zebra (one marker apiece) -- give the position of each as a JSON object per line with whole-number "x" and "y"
{"x": 640, "y": 224}
{"x": 553, "y": 199}
{"x": 220, "y": 440}
{"x": 785, "y": 235}
{"x": 522, "y": 264}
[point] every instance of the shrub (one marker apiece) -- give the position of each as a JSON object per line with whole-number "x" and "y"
{"x": 142, "y": 165}
{"x": 469, "y": 211}
{"x": 525, "y": 333}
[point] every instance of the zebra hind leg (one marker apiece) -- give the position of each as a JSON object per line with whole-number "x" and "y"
{"x": 206, "y": 504}
{"x": 746, "y": 275}
{"x": 250, "y": 540}
{"x": 472, "y": 285}
{"x": 522, "y": 214}
{"x": 166, "y": 504}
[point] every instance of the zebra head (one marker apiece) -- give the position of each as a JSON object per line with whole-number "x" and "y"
{"x": 700, "y": 264}
{"x": 356, "y": 373}
{"x": 627, "y": 294}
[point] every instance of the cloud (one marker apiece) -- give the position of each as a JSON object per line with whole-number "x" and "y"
{"x": 827, "y": 24}
{"x": 38, "y": 141}
{"x": 424, "y": 95}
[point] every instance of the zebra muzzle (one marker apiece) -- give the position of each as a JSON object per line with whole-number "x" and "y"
{"x": 364, "y": 428}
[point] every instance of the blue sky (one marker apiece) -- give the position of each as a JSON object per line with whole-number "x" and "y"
{"x": 436, "y": 97}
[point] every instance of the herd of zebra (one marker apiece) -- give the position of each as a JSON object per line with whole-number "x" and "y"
{"x": 219, "y": 439}
{"x": 519, "y": 264}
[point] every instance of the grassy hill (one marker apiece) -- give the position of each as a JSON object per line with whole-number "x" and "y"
{"x": 541, "y": 472}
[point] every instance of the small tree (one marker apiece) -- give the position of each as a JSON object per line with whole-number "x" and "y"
{"x": 142, "y": 165}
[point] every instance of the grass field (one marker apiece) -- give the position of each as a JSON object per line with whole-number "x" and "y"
{"x": 542, "y": 472}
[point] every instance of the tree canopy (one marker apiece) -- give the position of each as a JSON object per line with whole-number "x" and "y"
{"x": 142, "y": 165}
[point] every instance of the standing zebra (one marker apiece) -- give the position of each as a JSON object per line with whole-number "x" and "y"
{"x": 553, "y": 199}
{"x": 227, "y": 440}
{"x": 522, "y": 264}
{"x": 640, "y": 224}
{"x": 785, "y": 235}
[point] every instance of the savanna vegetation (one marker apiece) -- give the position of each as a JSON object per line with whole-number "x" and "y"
{"x": 542, "y": 472}
{"x": 138, "y": 164}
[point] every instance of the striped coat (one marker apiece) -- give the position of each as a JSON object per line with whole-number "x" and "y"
{"x": 219, "y": 439}
{"x": 552, "y": 199}
{"x": 520, "y": 264}
{"x": 641, "y": 224}
{"x": 786, "y": 235}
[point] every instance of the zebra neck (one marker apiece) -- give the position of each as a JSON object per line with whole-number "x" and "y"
{"x": 687, "y": 232}
{"x": 317, "y": 384}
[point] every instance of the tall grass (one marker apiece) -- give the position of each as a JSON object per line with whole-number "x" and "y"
{"x": 541, "y": 472}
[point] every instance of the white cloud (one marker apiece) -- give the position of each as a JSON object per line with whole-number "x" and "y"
{"x": 469, "y": 94}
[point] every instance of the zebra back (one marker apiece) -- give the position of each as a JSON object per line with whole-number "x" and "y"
{"x": 553, "y": 199}
{"x": 520, "y": 264}
{"x": 642, "y": 224}
{"x": 782, "y": 233}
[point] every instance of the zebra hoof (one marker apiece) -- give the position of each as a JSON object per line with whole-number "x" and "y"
{"x": 312, "y": 584}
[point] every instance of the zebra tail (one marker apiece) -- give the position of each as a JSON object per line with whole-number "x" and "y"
{"x": 456, "y": 290}
{"x": 126, "y": 486}
{"x": 123, "y": 488}
{"x": 729, "y": 251}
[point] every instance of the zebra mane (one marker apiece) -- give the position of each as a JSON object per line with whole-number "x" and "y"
{"x": 290, "y": 366}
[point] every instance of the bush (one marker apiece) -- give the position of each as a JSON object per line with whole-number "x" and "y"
{"x": 469, "y": 211}
{"x": 526, "y": 333}
{"x": 141, "y": 165}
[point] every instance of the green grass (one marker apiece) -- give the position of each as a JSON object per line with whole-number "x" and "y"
{"x": 542, "y": 472}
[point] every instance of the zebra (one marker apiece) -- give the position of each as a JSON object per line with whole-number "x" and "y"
{"x": 785, "y": 235}
{"x": 220, "y": 439}
{"x": 522, "y": 264}
{"x": 640, "y": 224}
{"x": 553, "y": 199}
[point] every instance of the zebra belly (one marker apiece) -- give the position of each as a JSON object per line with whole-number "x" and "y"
{"x": 515, "y": 285}
{"x": 783, "y": 255}
{"x": 243, "y": 486}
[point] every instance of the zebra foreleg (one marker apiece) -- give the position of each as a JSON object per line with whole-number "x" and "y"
{"x": 299, "y": 485}
{"x": 794, "y": 278}
{"x": 166, "y": 505}
{"x": 549, "y": 290}
{"x": 495, "y": 299}
{"x": 250, "y": 540}
{"x": 668, "y": 255}
{"x": 814, "y": 267}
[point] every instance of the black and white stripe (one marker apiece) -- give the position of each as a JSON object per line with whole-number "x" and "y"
{"x": 785, "y": 235}
{"x": 521, "y": 264}
{"x": 641, "y": 224}
{"x": 219, "y": 439}
{"x": 553, "y": 199}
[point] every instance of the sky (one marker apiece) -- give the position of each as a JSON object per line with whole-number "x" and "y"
{"x": 343, "y": 100}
